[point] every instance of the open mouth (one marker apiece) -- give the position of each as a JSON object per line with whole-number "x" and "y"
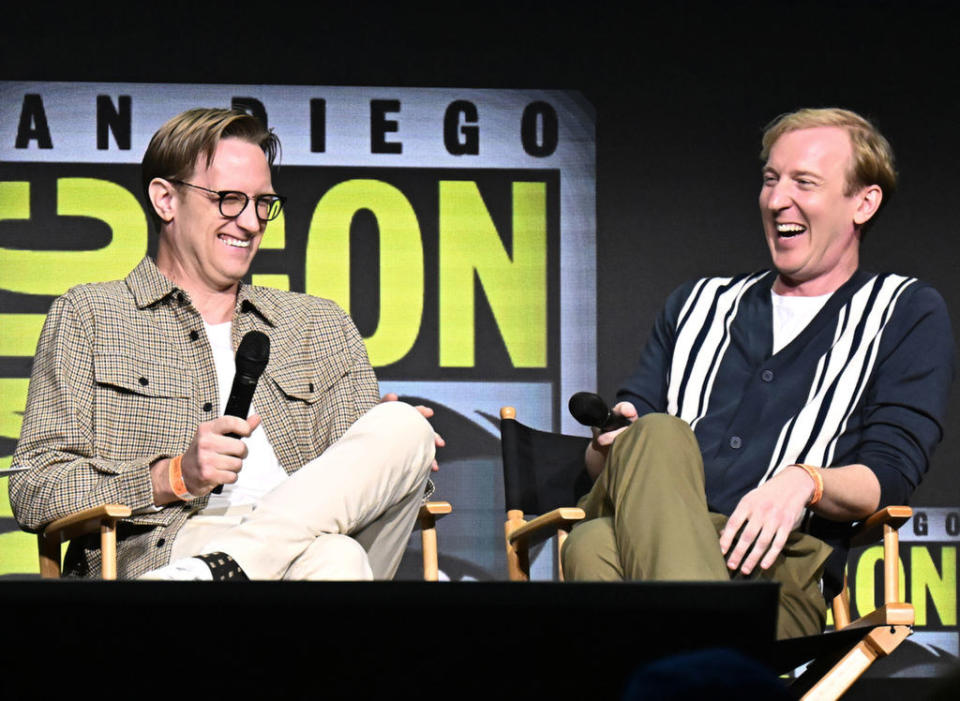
{"x": 234, "y": 242}
{"x": 790, "y": 230}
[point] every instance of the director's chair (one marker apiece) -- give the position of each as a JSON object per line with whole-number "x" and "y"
{"x": 544, "y": 473}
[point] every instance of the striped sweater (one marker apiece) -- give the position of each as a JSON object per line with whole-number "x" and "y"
{"x": 865, "y": 382}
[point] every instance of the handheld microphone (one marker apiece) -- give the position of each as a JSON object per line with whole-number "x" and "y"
{"x": 252, "y": 357}
{"x": 589, "y": 409}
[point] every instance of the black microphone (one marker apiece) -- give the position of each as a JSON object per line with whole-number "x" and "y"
{"x": 590, "y": 410}
{"x": 252, "y": 357}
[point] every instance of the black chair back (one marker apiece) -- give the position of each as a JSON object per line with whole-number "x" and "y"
{"x": 542, "y": 471}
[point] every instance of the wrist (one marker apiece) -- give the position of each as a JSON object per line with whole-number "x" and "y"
{"x": 814, "y": 473}
{"x": 175, "y": 477}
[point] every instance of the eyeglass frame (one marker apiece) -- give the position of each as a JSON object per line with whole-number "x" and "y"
{"x": 222, "y": 194}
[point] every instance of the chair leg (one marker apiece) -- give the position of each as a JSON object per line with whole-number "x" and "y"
{"x": 518, "y": 555}
{"x": 879, "y": 642}
{"x": 561, "y": 537}
{"x": 49, "y": 550}
{"x": 428, "y": 541}
{"x": 108, "y": 549}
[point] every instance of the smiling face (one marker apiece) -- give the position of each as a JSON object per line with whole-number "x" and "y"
{"x": 199, "y": 248}
{"x": 810, "y": 221}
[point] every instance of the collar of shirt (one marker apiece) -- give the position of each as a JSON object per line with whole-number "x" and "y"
{"x": 148, "y": 286}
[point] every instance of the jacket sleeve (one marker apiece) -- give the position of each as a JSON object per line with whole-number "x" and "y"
{"x": 907, "y": 400}
{"x": 57, "y": 440}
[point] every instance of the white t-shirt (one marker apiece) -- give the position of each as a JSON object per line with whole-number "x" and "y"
{"x": 791, "y": 314}
{"x": 261, "y": 470}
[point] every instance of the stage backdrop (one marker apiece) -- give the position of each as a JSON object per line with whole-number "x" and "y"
{"x": 457, "y": 226}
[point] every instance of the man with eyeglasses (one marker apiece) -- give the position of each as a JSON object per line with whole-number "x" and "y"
{"x": 320, "y": 481}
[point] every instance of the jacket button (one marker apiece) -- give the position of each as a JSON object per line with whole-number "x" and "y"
{"x": 161, "y": 542}
{"x": 194, "y": 335}
{"x": 767, "y": 375}
{"x": 736, "y": 442}
{"x": 208, "y": 406}
{"x": 144, "y": 381}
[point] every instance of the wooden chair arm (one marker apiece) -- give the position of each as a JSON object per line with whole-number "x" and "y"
{"x": 84, "y": 522}
{"x": 892, "y": 614}
{"x": 871, "y": 530}
{"x": 544, "y": 527}
{"x": 437, "y": 509}
{"x": 101, "y": 518}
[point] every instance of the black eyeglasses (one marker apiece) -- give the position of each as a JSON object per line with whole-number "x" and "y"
{"x": 233, "y": 202}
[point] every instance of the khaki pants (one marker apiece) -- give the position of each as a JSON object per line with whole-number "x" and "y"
{"x": 347, "y": 514}
{"x": 647, "y": 519}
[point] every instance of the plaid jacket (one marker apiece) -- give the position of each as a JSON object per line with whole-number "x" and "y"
{"x": 124, "y": 374}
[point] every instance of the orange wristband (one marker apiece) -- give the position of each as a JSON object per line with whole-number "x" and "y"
{"x": 817, "y": 480}
{"x": 177, "y": 484}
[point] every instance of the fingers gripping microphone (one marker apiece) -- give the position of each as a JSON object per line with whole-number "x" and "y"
{"x": 252, "y": 357}
{"x": 590, "y": 410}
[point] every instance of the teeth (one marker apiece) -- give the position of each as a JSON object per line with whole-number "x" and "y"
{"x": 790, "y": 228}
{"x": 236, "y": 243}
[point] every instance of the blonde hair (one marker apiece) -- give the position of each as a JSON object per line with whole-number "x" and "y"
{"x": 872, "y": 162}
{"x": 175, "y": 148}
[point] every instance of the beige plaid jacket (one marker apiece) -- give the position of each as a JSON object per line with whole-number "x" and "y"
{"x": 124, "y": 374}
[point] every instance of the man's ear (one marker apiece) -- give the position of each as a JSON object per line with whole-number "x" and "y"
{"x": 869, "y": 199}
{"x": 163, "y": 198}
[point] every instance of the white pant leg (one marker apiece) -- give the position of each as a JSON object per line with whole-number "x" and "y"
{"x": 330, "y": 557}
{"x": 201, "y": 528}
{"x": 368, "y": 484}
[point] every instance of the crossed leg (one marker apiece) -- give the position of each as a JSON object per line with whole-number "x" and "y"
{"x": 345, "y": 515}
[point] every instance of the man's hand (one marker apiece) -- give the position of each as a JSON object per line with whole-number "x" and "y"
{"x": 427, "y": 413}
{"x": 213, "y": 458}
{"x": 600, "y": 445}
{"x": 767, "y": 516}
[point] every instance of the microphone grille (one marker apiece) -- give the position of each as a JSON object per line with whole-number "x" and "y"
{"x": 253, "y": 353}
{"x": 588, "y": 408}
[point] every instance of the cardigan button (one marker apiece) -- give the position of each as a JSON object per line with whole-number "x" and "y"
{"x": 767, "y": 375}
{"x": 736, "y": 442}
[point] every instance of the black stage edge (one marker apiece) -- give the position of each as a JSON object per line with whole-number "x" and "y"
{"x": 325, "y": 639}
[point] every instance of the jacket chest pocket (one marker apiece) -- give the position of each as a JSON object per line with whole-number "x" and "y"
{"x": 316, "y": 400}
{"x": 142, "y": 407}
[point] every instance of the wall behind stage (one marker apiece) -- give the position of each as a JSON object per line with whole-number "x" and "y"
{"x": 680, "y": 95}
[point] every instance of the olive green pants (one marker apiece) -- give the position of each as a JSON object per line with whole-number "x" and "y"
{"x": 647, "y": 519}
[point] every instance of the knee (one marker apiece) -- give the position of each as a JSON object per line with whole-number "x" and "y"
{"x": 662, "y": 425}
{"x": 660, "y": 432}
{"x": 403, "y": 422}
{"x": 403, "y": 425}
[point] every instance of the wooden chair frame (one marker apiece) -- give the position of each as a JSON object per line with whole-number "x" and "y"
{"x": 104, "y": 519}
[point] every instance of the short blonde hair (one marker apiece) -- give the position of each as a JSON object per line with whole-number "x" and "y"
{"x": 872, "y": 162}
{"x": 175, "y": 148}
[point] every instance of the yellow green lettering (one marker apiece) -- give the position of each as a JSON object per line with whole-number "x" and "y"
{"x": 515, "y": 285}
{"x": 401, "y": 261}
{"x": 941, "y": 585}
{"x": 54, "y": 272}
